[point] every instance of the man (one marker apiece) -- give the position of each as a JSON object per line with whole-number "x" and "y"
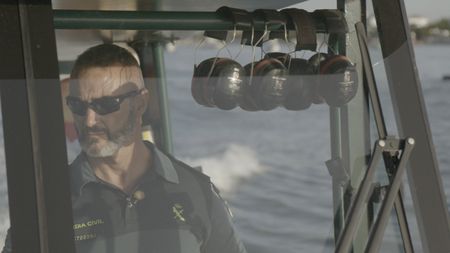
{"x": 127, "y": 195}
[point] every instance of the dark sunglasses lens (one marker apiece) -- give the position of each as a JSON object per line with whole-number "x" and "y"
{"x": 77, "y": 106}
{"x": 105, "y": 105}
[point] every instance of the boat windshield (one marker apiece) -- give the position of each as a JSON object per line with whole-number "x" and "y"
{"x": 185, "y": 140}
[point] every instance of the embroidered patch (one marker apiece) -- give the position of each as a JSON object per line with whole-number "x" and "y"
{"x": 178, "y": 211}
{"x": 90, "y": 223}
{"x": 85, "y": 237}
{"x": 87, "y": 230}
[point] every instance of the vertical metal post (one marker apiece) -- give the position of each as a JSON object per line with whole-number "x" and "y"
{"x": 339, "y": 172}
{"x": 338, "y": 184}
{"x": 412, "y": 120}
{"x": 23, "y": 210}
{"x": 36, "y": 156}
{"x": 354, "y": 122}
{"x": 158, "y": 56}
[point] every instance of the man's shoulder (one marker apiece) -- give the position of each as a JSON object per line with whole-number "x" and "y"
{"x": 183, "y": 169}
{"x": 80, "y": 173}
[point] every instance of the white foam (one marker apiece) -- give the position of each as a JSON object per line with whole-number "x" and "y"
{"x": 227, "y": 168}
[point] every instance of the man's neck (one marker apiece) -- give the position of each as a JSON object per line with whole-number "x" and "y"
{"x": 125, "y": 168}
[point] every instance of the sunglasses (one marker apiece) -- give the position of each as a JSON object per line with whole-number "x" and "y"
{"x": 102, "y": 106}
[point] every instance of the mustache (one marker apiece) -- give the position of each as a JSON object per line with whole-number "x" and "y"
{"x": 93, "y": 129}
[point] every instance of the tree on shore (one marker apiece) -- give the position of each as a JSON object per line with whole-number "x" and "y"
{"x": 438, "y": 28}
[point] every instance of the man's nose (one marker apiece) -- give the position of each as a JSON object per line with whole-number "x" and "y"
{"x": 91, "y": 117}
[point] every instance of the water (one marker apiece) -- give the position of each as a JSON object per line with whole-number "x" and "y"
{"x": 270, "y": 165}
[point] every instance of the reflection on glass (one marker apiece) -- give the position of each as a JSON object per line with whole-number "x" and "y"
{"x": 273, "y": 165}
{"x": 268, "y": 162}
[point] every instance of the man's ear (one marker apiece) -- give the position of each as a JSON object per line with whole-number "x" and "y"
{"x": 142, "y": 102}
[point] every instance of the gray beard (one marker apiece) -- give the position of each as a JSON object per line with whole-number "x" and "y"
{"x": 109, "y": 149}
{"x": 114, "y": 142}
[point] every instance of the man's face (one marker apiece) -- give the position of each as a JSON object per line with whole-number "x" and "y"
{"x": 103, "y": 135}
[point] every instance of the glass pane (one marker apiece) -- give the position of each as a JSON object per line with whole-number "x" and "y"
{"x": 283, "y": 177}
{"x": 269, "y": 165}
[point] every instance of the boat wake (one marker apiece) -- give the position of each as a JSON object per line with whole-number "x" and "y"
{"x": 228, "y": 168}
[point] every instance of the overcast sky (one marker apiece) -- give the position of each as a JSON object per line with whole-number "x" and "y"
{"x": 433, "y": 9}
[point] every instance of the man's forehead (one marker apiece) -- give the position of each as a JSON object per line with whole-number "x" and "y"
{"x": 106, "y": 80}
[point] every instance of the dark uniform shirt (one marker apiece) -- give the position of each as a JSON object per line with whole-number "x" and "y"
{"x": 174, "y": 209}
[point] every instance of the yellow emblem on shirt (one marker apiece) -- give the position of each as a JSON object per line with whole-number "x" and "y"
{"x": 83, "y": 230}
{"x": 87, "y": 224}
{"x": 178, "y": 211}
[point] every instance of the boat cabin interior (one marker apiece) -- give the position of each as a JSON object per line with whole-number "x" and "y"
{"x": 280, "y": 104}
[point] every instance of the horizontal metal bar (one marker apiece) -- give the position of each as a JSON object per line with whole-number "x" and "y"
{"x": 154, "y": 20}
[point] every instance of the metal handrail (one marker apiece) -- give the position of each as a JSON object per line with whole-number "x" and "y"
{"x": 155, "y": 20}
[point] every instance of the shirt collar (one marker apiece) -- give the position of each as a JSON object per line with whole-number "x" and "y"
{"x": 163, "y": 165}
{"x": 82, "y": 172}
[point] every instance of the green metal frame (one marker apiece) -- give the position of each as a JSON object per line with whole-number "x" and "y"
{"x": 350, "y": 137}
{"x": 158, "y": 56}
{"x": 154, "y": 20}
